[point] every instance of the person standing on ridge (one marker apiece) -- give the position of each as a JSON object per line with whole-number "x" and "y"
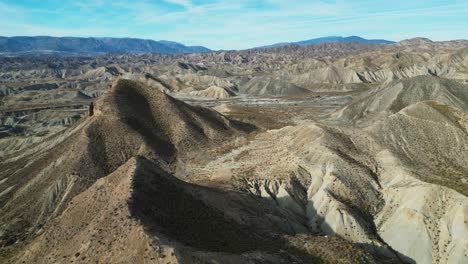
{"x": 91, "y": 109}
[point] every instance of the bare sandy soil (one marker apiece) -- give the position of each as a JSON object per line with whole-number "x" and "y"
{"x": 288, "y": 155}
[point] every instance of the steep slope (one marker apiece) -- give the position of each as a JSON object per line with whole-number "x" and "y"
{"x": 141, "y": 214}
{"x": 132, "y": 119}
{"x": 329, "y": 74}
{"x": 360, "y": 159}
{"x": 432, "y": 138}
{"x": 427, "y": 44}
{"x": 378, "y": 67}
{"x": 214, "y": 92}
{"x": 104, "y": 191}
{"x": 391, "y": 98}
{"x": 362, "y": 184}
{"x": 427, "y": 142}
{"x": 270, "y": 86}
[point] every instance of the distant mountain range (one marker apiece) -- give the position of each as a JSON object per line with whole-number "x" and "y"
{"x": 331, "y": 39}
{"x": 76, "y": 45}
{"x": 66, "y": 46}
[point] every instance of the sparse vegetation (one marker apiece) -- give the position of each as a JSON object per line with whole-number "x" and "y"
{"x": 318, "y": 154}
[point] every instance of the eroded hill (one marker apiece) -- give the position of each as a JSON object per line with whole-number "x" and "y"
{"x": 283, "y": 155}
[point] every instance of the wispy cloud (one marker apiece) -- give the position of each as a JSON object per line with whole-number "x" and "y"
{"x": 185, "y": 3}
{"x": 243, "y": 25}
{"x": 224, "y": 24}
{"x": 5, "y": 7}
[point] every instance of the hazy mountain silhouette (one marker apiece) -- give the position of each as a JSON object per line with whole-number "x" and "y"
{"x": 331, "y": 39}
{"x": 93, "y": 45}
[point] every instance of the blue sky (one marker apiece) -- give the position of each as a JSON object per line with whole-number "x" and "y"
{"x": 235, "y": 24}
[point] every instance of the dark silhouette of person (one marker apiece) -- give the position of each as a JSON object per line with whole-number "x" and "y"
{"x": 91, "y": 109}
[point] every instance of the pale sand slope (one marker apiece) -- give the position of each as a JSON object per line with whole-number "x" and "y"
{"x": 103, "y": 191}
{"x": 366, "y": 186}
{"x": 391, "y": 98}
{"x": 214, "y": 92}
{"x": 140, "y": 214}
{"x": 269, "y": 85}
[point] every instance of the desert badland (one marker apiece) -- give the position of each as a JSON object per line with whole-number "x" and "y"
{"x": 327, "y": 153}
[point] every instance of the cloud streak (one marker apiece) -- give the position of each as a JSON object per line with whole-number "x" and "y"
{"x": 223, "y": 24}
{"x": 185, "y": 3}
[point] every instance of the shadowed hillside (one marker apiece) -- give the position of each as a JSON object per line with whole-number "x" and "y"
{"x": 330, "y": 153}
